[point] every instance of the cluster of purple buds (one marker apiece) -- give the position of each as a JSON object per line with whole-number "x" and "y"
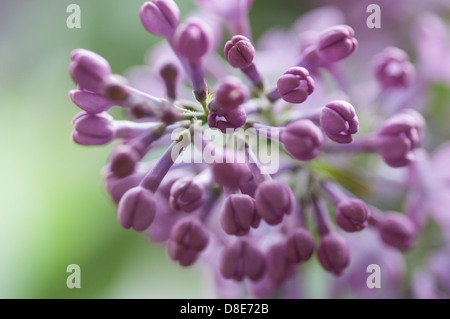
{"x": 253, "y": 222}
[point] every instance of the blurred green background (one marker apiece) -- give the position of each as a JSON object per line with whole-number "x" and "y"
{"x": 53, "y": 209}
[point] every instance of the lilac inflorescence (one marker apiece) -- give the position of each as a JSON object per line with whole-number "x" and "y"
{"x": 254, "y": 227}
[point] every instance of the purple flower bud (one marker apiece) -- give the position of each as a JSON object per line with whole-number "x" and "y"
{"x": 230, "y": 94}
{"x": 117, "y": 187}
{"x": 137, "y": 209}
{"x": 299, "y": 246}
{"x": 185, "y": 257}
{"x": 336, "y": 43}
{"x": 239, "y": 52}
{"x": 230, "y": 174}
{"x": 232, "y": 120}
{"x": 295, "y": 85}
{"x": 302, "y": 139}
{"x": 89, "y": 70}
{"x": 160, "y": 17}
{"x": 279, "y": 267}
{"x": 124, "y": 160}
{"x": 274, "y": 200}
{"x": 238, "y": 214}
{"x": 397, "y": 230}
{"x": 93, "y": 129}
{"x": 194, "y": 39}
{"x": 339, "y": 121}
{"x": 399, "y": 136}
{"x": 190, "y": 234}
{"x": 242, "y": 259}
{"x": 352, "y": 215}
{"x": 334, "y": 253}
{"x": 186, "y": 195}
{"x": 169, "y": 73}
{"x": 89, "y": 101}
{"x": 393, "y": 68}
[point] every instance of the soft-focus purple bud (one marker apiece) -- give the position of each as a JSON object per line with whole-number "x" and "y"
{"x": 117, "y": 187}
{"x": 93, "y": 129}
{"x": 397, "y": 230}
{"x": 242, "y": 259}
{"x": 274, "y": 200}
{"x": 239, "y": 52}
{"x": 88, "y": 69}
{"x": 184, "y": 256}
{"x": 232, "y": 120}
{"x": 339, "y": 121}
{"x": 194, "y": 39}
{"x": 137, "y": 209}
{"x": 334, "y": 253}
{"x": 399, "y": 136}
{"x": 89, "y": 101}
{"x": 190, "y": 234}
{"x": 160, "y": 17}
{"x": 186, "y": 195}
{"x": 336, "y": 43}
{"x": 123, "y": 160}
{"x": 299, "y": 245}
{"x": 164, "y": 220}
{"x": 169, "y": 73}
{"x": 239, "y": 214}
{"x": 295, "y": 85}
{"x": 393, "y": 68}
{"x": 352, "y": 215}
{"x": 302, "y": 139}
{"x": 230, "y": 174}
{"x": 230, "y": 94}
{"x": 279, "y": 267}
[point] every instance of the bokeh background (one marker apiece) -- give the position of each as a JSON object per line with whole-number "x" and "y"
{"x": 53, "y": 209}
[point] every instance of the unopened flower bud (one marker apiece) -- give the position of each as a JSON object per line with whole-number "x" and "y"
{"x": 393, "y": 68}
{"x": 352, "y": 214}
{"x": 190, "y": 234}
{"x": 239, "y": 214}
{"x": 160, "y": 17}
{"x": 295, "y": 85}
{"x": 194, "y": 39}
{"x": 230, "y": 94}
{"x": 231, "y": 121}
{"x": 274, "y": 200}
{"x": 334, "y": 253}
{"x": 230, "y": 174}
{"x": 279, "y": 267}
{"x": 242, "y": 259}
{"x": 186, "y": 195}
{"x": 302, "y": 139}
{"x": 399, "y": 136}
{"x": 90, "y": 102}
{"x": 239, "y": 52}
{"x": 397, "y": 230}
{"x": 339, "y": 121}
{"x": 124, "y": 160}
{"x": 336, "y": 43}
{"x": 93, "y": 129}
{"x": 137, "y": 209}
{"x": 299, "y": 246}
{"x": 89, "y": 70}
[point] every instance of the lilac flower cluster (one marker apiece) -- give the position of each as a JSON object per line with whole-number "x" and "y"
{"x": 255, "y": 229}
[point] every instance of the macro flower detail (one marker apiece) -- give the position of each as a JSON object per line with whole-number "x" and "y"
{"x": 160, "y": 17}
{"x": 339, "y": 121}
{"x": 252, "y": 164}
{"x": 336, "y": 43}
{"x": 393, "y": 68}
{"x": 302, "y": 139}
